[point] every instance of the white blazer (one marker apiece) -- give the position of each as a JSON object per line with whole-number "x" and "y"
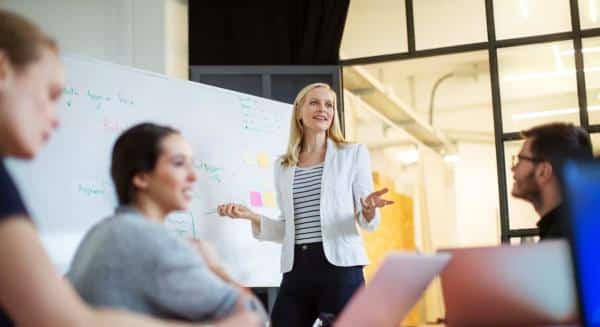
{"x": 346, "y": 178}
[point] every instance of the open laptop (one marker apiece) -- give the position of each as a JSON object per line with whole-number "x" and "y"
{"x": 581, "y": 190}
{"x": 393, "y": 291}
{"x": 527, "y": 285}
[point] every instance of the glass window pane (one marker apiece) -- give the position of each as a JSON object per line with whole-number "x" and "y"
{"x": 520, "y": 213}
{"x": 588, "y": 13}
{"x": 458, "y": 84}
{"x": 519, "y": 18}
{"x": 596, "y": 144}
{"x": 374, "y": 27}
{"x": 591, "y": 60}
{"x": 462, "y": 110}
{"x": 441, "y": 23}
{"x": 537, "y": 85}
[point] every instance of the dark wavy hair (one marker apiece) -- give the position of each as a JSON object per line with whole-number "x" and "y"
{"x": 136, "y": 151}
{"x": 557, "y": 142}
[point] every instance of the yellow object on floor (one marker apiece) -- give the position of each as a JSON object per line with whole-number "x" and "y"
{"x": 395, "y": 232}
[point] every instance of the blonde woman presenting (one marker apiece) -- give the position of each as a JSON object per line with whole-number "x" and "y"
{"x": 324, "y": 189}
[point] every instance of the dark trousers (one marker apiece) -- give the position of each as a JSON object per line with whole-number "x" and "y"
{"x": 313, "y": 287}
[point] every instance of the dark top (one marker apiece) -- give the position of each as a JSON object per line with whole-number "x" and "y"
{"x": 10, "y": 199}
{"x": 10, "y": 204}
{"x": 554, "y": 223}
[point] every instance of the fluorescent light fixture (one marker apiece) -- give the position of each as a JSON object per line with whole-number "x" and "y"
{"x": 544, "y": 75}
{"x": 537, "y": 75}
{"x": 551, "y": 113}
{"x": 560, "y": 70}
{"x": 407, "y": 157}
{"x": 451, "y": 158}
{"x": 524, "y": 6}
{"x": 584, "y": 50}
{"x": 557, "y": 58}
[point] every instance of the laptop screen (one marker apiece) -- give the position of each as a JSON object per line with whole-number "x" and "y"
{"x": 581, "y": 182}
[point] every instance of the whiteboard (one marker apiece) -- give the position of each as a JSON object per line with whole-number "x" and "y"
{"x": 236, "y": 138}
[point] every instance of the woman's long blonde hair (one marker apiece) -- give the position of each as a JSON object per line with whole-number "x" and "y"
{"x": 290, "y": 158}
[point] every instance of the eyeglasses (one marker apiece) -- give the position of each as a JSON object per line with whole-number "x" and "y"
{"x": 517, "y": 158}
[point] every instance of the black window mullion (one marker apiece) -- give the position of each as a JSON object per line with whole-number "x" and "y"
{"x": 523, "y": 232}
{"x": 580, "y": 73}
{"x": 513, "y": 136}
{"x": 410, "y": 26}
{"x": 527, "y": 40}
{"x": 497, "y": 110}
{"x": 591, "y": 32}
{"x": 594, "y": 129}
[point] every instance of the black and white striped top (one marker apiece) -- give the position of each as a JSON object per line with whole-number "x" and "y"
{"x": 307, "y": 204}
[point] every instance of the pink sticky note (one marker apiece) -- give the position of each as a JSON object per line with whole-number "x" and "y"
{"x": 255, "y": 199}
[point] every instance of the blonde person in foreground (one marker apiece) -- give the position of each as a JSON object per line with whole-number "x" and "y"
{"x": 324, "y": 189}
{"x": 32, "y": 293}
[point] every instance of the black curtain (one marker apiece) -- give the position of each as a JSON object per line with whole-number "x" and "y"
{"x": 280, "y": 32}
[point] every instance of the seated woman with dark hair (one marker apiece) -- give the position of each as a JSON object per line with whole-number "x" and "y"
{"x": 130, "y": 260}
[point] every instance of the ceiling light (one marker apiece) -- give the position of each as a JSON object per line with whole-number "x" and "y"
{"x": 584, "y": 50}
{"x": 544, "y": 75}
{"x": 551, "y": 113}
{"x": 452, "y": 158}
{"x": 557, "y": 58}
{"x": 407, "y": 157}
{"x": 524, "y": 6}
{"x": 536, "y": 75}
{"x": 560, "y": 70}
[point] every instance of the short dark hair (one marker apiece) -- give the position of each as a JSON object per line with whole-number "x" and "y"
{"x": 21, "y": 40}
{"x": 135, "y": 151}
{"x": 556, "y": 142}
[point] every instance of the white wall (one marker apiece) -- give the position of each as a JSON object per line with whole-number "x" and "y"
{"x": 435, "y": 184}
{"x": 449, "y": 22}
{"x": 476, "y": 189}
{"x": 147, "y": 34}
{"x": 374, "y": 27}
{"x": 176, "y": 46}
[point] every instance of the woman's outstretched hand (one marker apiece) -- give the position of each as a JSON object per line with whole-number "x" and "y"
{"x": 372, "y": 202}
{"x": 237, "y": 211}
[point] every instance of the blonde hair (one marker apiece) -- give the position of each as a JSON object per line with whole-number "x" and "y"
{"x": 21, "y": 40}
{"x": 290, "y": 158}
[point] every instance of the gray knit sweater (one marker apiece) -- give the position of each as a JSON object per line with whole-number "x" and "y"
{"x": 129, "y": 262}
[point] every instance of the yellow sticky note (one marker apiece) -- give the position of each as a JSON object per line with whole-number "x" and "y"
{"x": 269, "y": 199}
{"x": 263, "y": 160}
{"x": 249, "y": 160}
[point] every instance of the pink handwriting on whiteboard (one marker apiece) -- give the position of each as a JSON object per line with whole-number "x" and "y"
{"x": 112, "y": 125}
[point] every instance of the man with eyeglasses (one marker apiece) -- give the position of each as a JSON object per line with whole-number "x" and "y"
{"x": 535, "y": 171}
